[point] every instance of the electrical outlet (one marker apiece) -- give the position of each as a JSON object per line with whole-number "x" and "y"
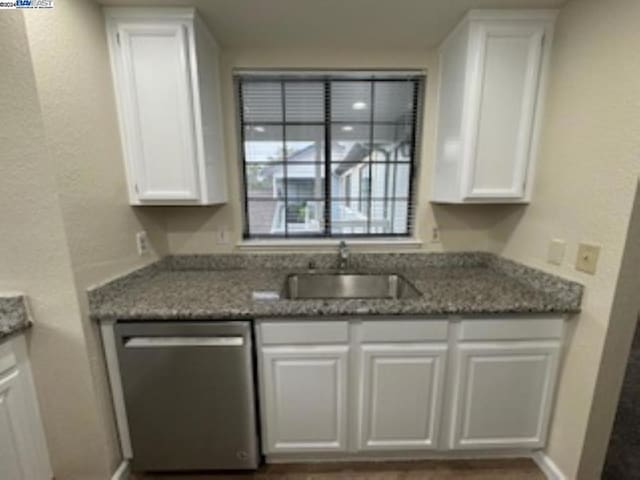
{"x": 557, "y": 249}
{"x": 223, "y": 236}
{"x": 587, "y": 259}
{"x": 142, "y": 243}
{"x": 435, "y": 235}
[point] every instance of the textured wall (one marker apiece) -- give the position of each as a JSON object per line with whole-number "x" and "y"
{"x": 35, "y": 259}
{"x": 73, "y": 76}
{"x": 586, "y": 180}
{"x": 66, "y": 211}
{"x": 192, "y": 230}
{"x": 73, "y": 79}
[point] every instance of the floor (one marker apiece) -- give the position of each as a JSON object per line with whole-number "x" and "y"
{"x": 507, "y": 469}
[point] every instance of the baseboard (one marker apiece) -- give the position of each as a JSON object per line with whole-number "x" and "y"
{"x": 397, "y": 456}
{"x": 122, "y": 473}
{"x": 548, "y": 466}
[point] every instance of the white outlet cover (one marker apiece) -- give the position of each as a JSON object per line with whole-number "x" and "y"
{"x": 435, "y": 235}
{"x": 557, "y": 250}
{"x": 142, "y": 243}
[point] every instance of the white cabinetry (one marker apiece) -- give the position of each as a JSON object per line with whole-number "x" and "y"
{"x": 304, "y": 369}
{"x": 504, "y": 381}
{"x": 338, "y": 386}
{"x": 406, "y": 387}
{"x": 503, "y": 394}
{"x": 23, "y": 451}
{"x": 305, "y": 395}
{"x": 166, "y": 76}
{"x": 401, "y": 400}
{"x": 492, "y": 71}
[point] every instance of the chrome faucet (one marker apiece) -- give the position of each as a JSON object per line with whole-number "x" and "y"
{"x": 343, "y": 255}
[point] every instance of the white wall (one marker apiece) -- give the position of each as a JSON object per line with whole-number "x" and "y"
{"x": 192, "y": 230}
{"x": 585, "y": 186}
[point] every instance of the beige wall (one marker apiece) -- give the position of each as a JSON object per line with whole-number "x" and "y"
{"x": 193, "y": 230}
{"x": 586, "y": 180}
{"x": 35, "y": 259}
{"x": 66, "y": 221}
{"x": 73, "y": 76}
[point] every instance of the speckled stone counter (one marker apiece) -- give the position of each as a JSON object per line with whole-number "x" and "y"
{"x": 14, "y": 315}
{"x": 222, "y": 286}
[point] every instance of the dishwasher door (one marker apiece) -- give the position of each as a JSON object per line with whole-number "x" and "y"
{"x": 189, "y": 394}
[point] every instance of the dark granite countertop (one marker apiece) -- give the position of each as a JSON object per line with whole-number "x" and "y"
{"x": 14, "y": 315}
{"x": 222, "y": 286}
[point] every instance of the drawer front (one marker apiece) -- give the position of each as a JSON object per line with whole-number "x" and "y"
{"x": 405, "y": 330}
{"x": 274, "y": 333}
{"x": 512, "y": 328}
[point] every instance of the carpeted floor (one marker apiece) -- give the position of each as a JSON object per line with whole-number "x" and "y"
{"x": 508, "y": 469}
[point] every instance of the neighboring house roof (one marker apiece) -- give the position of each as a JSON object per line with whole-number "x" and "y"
{"x": 346, "y": 154}
{"x": 349, "y": 152}
{"x": 356, "y": 154}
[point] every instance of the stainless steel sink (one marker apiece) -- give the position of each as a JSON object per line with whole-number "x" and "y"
{"x": 344, "y": 285}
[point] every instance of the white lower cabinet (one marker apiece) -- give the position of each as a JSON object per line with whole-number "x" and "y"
{"x": 503, "y": 394}
{"x": 401, "y": 395}
{"x": 23, "y": 453}
{"x": 305, "y": 398}
{"x": 391, "y": 386}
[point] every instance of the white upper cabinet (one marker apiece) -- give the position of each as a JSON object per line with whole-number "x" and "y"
{"x": 166, "y": 76}
{"x": 492, "y": 70}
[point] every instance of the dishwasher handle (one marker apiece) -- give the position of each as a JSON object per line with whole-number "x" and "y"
{"x": 177, "y": 341}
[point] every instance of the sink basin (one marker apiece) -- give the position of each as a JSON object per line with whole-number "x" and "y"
{"x": 343, "y": 285}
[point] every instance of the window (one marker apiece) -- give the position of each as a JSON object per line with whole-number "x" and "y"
{"x": 328, "y": 155}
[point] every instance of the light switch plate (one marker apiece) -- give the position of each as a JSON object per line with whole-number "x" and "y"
{"x": 435, "y": 235}
{"x": 587, "y": 259}
{"x": 557, "y": 249}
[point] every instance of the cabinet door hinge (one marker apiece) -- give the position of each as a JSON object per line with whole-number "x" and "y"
{"x": 135, "y": 187}
{"x": 118, "y": 38}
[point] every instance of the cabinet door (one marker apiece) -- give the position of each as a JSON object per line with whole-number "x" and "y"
{"x": 23, "y": 453}
{"x": 12, "y": 439}
{"x": 401, "y": 396}
{"x": 154, "y": 86}
{"x": 305, "y": 398}
{"x": 504, "y": 92}
{"x": 503, "y": 394}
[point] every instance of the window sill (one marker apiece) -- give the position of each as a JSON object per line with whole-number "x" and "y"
{"x": 330, "y": 244}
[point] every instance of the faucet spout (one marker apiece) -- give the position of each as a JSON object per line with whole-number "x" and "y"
{"x": 343, "y": 255}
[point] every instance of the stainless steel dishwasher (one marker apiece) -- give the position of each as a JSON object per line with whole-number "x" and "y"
{"x": 189, "y": 394}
